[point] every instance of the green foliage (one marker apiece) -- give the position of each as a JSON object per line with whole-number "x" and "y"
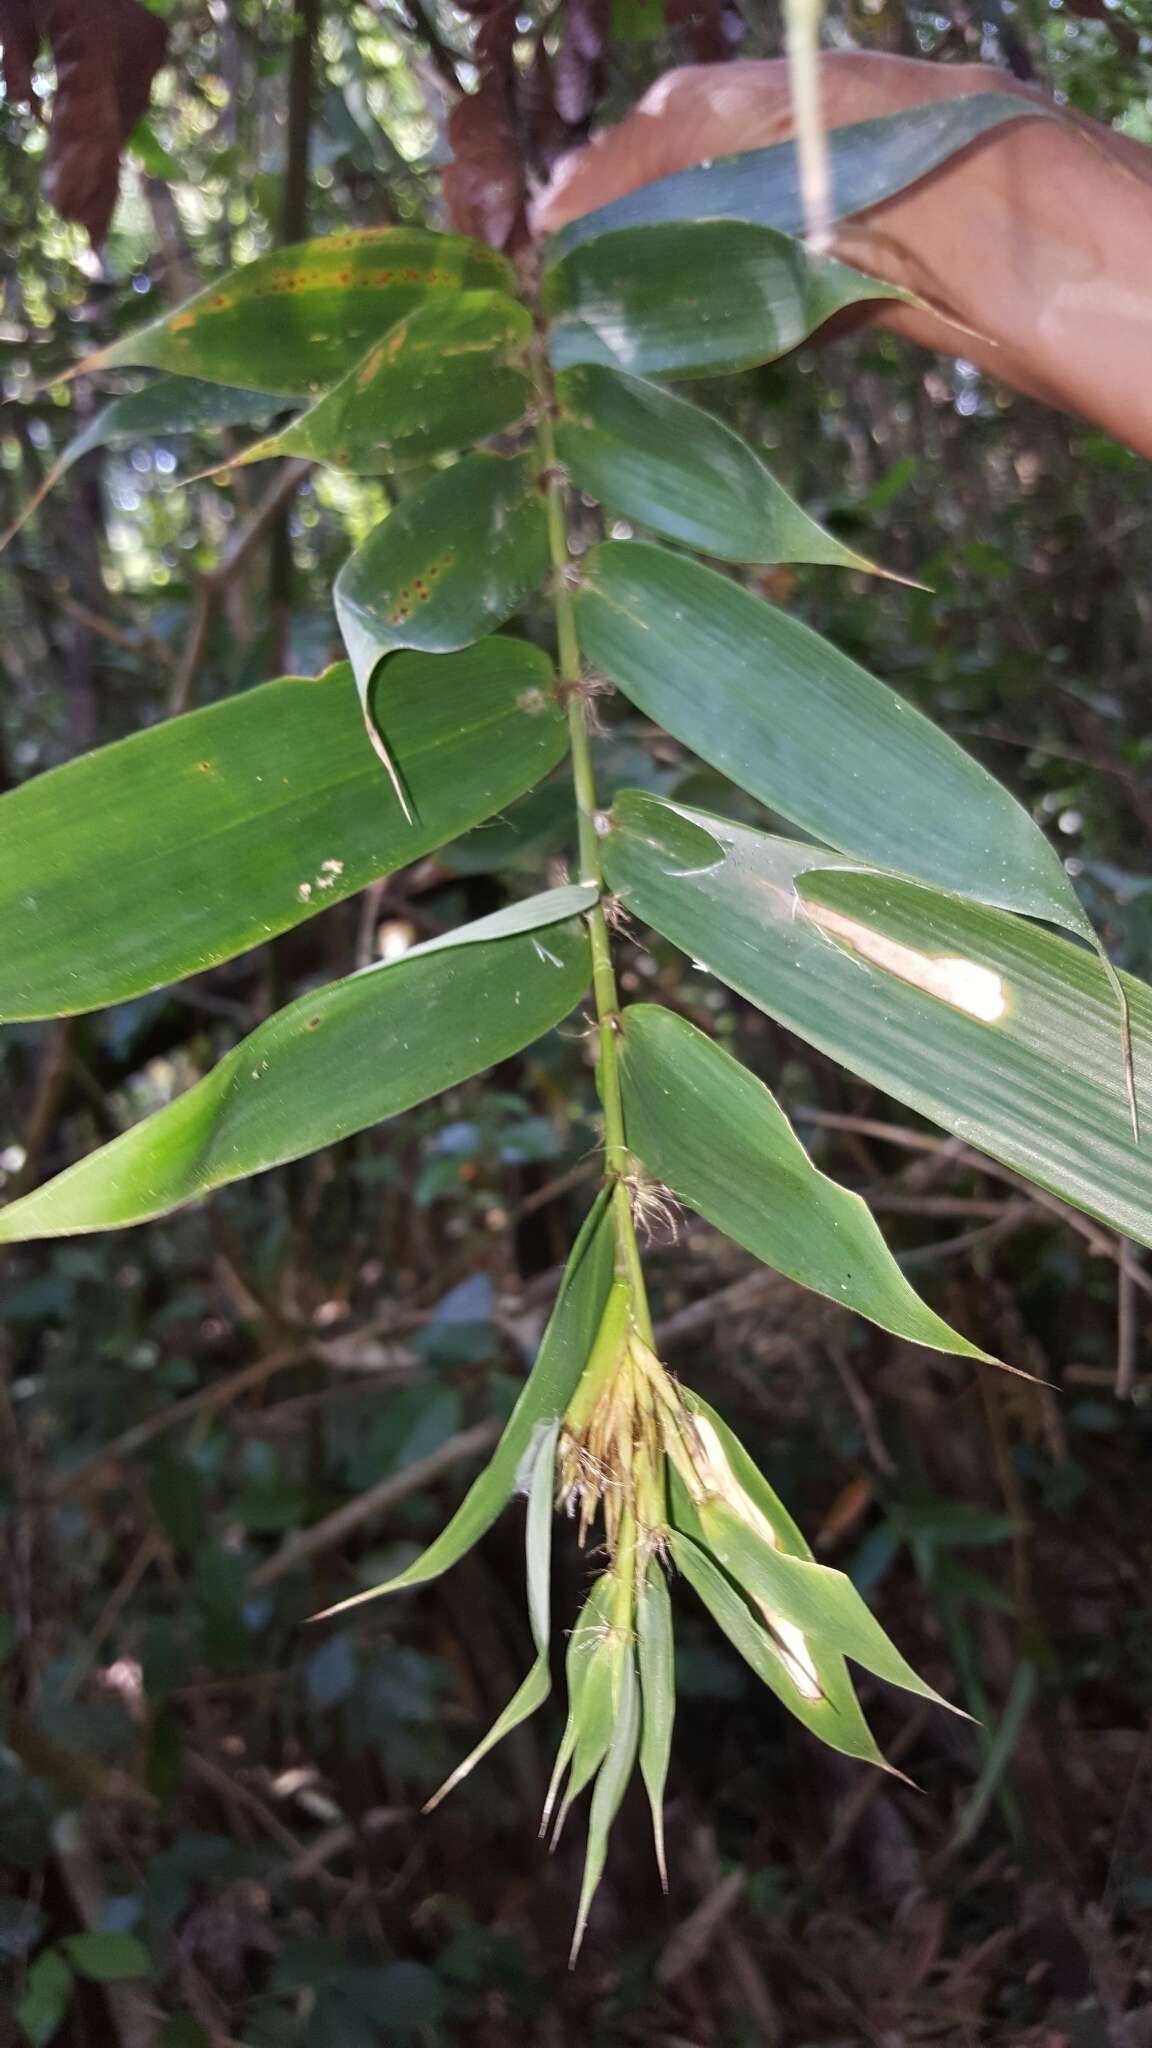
{"x": 691, "y": 299}
{"x": 183, "y": 847}
{"x": 997, "y": 1030}
{"x": 658, "y": 459}
{"x": 273, "y": 811}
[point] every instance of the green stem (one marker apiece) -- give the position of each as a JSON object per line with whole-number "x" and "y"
{"x": 617, "y": 1161}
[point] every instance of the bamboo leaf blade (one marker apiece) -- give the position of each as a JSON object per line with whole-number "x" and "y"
{"x": 331, "y": 1063}
{"x": 664, "y": 462}
{"x": 1002, "y": 1033}
{"x": 869, "y": 161}
{"x": 820, "y": 1601}
{"x": 836, "y": 1717}
{"x": 300, "y": 317}
{"x": 611, "y": 1785}
{"x": 656, "y": 1663}
{"x": 168, "y": 405}
{"x": 536, "y": 1686}
{"x": 163, "y": 854}
{"x": 696, "y": 298}
{"x": 447, "y": 376}
{"x": 414, "y": 583}
{"x": 708, "y": 1130}
{"x": 563, "y": 1352}
{"x": 790, "y": 719}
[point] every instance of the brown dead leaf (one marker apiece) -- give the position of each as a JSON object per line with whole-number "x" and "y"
{"x": 20, "y": 37}
{"x": 484, "y": 185}
{"x": 106, "y": 53}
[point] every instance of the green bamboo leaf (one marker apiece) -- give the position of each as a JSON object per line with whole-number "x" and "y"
{"x": 415, "y": 582}
{"x": 527, "y": 914}
{"x": 706, "y": 1128}
{"x": 868, "y": 162}
{"x": 169, "y": 405}
{"x": 836, "y": 1717}
{"x": 656, "y": 1659}
{"x": 564, "y": 1350}
{"x": 764, "y": 1498}
{"x": 446, "y": 376}
{"x": 694, "y": 298}
{"x": 590, "y": 1697}
{"x": 1001, "y": 1032}
{"x": 664, "y": 462}
{"x": 600, "y": 1663}
{"x": 166, "y": 853}
{"x": 538, "y": 1545}
{"x": 818, "y": 1600}
{"x": 611, "y": 1785}
{"x": 334, "y": 1062}
{"x": 301, "y": 317}
{"x": 793, "y": 721}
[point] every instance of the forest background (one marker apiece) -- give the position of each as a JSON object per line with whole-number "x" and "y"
{"x": 210, "y": 1826}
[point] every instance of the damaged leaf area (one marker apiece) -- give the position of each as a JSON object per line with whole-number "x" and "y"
{"x": 304, "y": 316}
{"x": 450, "y": 564}
{"x": 448, "y": 375}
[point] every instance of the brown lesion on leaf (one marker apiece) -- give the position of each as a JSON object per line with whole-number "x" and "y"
{"x": 419, "y": 590}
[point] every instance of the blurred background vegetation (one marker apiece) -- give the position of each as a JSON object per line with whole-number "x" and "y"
{"x": 210, "y": 1827}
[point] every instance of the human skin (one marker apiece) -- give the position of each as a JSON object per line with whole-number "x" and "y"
{"x": 1032, "y": 247}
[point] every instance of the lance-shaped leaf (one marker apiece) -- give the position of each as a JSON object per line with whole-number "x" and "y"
{"x": 705, "y": 1127}
{"x": 169, "y": 405}
{"x": 835, "y": 1717}
{"x": 696, "y": 298}
{"x": 815, "y": 1598}
{"x": 450, "y": 564}
{"x": 611, "y": 1785}
{"x": 793, "y": 721}
{"x": 868, "y": 162}
{"x": 656, "y": 1662}
{"x": 592, "y": 1668}
{"x": 538, "y": 1547}
{"x": 332, "y": 1063}
{"x": 561, "y": 1359}
{"x": 300, "y": 317}
{"x": 601, "y": 1668}
{"x": 163, "y": 854}
{"x": 449, "y": 374}
{"x": 1001, "y": 1032}
{"x": 662, "y": 461}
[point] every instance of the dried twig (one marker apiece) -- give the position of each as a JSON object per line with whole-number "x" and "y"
{"x": 212, "y": 584}
{"x": 218, "y": 1395}
{"x": 1099, "y": 1241}
{"x": 327, "y": 1534}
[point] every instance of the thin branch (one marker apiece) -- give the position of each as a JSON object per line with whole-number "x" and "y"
{"x": 301, "y": 1548}
{"x": 1101, "y": 1242}
{"x": 1127, "y": 1327}
{"x": 212, "y": 584}
{"x": 80, "y": 1477}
